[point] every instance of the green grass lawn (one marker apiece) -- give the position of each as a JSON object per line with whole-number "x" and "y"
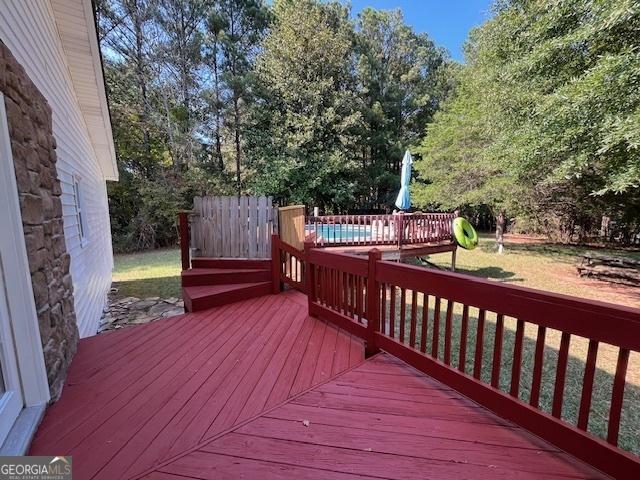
{"x": 546, "y": 267}
{"x": 154, "y": 273}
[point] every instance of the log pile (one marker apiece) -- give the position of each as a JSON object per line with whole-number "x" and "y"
{"x": 611, "y": 269}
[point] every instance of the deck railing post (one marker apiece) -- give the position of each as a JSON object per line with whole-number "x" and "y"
{"x": 275, "y": 263}
{"x": 183, "y": 223}
{"x": 400, "y": 223}
{"x": 373, "y": 303}
{"x": 309, "y": 284}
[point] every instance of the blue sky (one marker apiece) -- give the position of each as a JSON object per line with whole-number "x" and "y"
{"x": 446, "y": 21}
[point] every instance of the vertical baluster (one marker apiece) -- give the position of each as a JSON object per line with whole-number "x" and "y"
{"x": 392, "y": 311}
{"x": 436, "y": 329}
{"x": 516, "y": 367}
{"x": 345, "y": 298}
{"x": 477, "y": 362}
{"x": 349, "y": 294}
{"x": 425, "y": 323}
{"x": 497, "y": 352}
{"x": 538, "y": 362}
{"x": 403, "y": 313}
{"x": 561, "y": 373}
{"x": 447, "y": 332}
{"x": 414, "y": 307}
{"x": 359, "y": 298}
{"x": 464, "y": 325}
{"x": 617, "y": 396}
{"x": 587, "y": 385}
{"x": 383, "y": 308}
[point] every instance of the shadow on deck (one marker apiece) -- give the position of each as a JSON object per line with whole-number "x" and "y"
{"x": 259, "y": 389}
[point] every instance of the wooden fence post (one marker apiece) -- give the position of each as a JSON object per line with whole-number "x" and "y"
{"x": 309, "y": 284}
{"x": 275, "y": 263}
{"x": 373, "y": 303}
{"x": 183, "y": 222}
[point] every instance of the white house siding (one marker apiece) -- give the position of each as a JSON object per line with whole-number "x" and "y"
{"x": 29, "y": 30}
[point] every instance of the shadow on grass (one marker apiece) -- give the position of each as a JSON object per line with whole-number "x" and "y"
{"x": 602, "y": 389}
{"x": 550, "y": 250}
{"x": 163, "y": 287}
{"x": 490, "y": 273}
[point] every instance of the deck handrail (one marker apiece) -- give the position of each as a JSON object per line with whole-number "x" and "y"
{"x": 368, "y": 297}
{"x": 395, "y": 229}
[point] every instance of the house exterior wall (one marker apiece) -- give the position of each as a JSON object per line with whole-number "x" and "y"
{"x": 33, "y": 149}
{"x": 29, "y": 30}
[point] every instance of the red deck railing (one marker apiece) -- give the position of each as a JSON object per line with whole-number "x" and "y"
{"x": 400, "y": 229}
{"x": 439, "y": 322}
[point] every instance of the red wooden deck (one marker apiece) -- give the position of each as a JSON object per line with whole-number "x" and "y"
{"x": 140, "y": 395}
{"x": 382, "y": 419}
{"x": 258, "y": 389}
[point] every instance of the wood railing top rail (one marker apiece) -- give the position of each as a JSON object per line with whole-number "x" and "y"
{"x": 344, "y": 262}
{"x": 382, "y": 216}
{"x": 605, "y": 322}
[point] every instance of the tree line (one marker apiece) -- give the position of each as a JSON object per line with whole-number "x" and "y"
{"x": 543, "y": 126}
{"x": 297, "y": 99}
{"x": 303, "y": 101}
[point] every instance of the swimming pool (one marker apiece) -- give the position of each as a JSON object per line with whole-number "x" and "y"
{"x": 340, "y": 232}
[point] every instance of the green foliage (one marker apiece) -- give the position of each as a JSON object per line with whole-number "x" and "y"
{"x": 339, "y": 103}
{"x": 545, "y": 118}
{"x": 303, "y": 130}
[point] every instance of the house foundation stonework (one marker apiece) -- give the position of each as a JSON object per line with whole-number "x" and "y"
{"x": 34, "y": 155}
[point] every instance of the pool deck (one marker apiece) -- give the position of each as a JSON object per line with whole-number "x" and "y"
{"x": 393, "y": 252}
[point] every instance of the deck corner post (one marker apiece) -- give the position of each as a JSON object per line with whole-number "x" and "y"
{"x": 183, "y": 223}
{"x": 275, "y": 263}
{"x": 373, "y": 303}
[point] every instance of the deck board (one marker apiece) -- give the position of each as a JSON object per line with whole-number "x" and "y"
{"x": 334, "y": 430}
{"x": 141, "y": 395}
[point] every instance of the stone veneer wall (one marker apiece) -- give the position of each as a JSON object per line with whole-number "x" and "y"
{"x": 34, "y": 157}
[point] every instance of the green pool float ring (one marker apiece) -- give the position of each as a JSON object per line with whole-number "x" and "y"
{"x": 465, "y": 234}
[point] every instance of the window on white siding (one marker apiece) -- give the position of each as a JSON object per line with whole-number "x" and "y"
{"x": 80, "y": 212}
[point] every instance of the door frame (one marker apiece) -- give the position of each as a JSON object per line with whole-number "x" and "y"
{"x": 19, "y": 291}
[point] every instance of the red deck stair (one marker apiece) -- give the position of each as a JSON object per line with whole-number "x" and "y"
{"x": 212, "y": 282}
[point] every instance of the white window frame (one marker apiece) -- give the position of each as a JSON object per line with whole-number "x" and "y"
{"x": 80, "y": 213}
{"x": 19, "y": 291}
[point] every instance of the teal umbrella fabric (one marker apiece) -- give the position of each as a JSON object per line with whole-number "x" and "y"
{"x": 403, "y": 202}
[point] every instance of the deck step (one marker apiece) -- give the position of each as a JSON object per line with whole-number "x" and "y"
{"x": 202, "y": 297}
{"x": 223, "y": 276}
{"x": 230, "y": 263}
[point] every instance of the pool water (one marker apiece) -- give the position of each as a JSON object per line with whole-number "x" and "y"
{"x": 337, "y": 233}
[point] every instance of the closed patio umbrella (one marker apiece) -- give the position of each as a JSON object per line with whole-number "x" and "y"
{"x": 403, "y": 202}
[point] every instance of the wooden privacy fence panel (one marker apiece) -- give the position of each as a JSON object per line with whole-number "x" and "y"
{"x": 400, "y": 229}
{"x": 470, "y": 333}
{"x": 234, "y": 227}
{"x": 291, "y": 225}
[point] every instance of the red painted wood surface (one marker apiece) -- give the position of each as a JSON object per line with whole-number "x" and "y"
{"x": 400, "y": 230}
{"x": 382, "y": 419}
{"x": 140, "y": 395}
{"x": 597, "y": 321}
